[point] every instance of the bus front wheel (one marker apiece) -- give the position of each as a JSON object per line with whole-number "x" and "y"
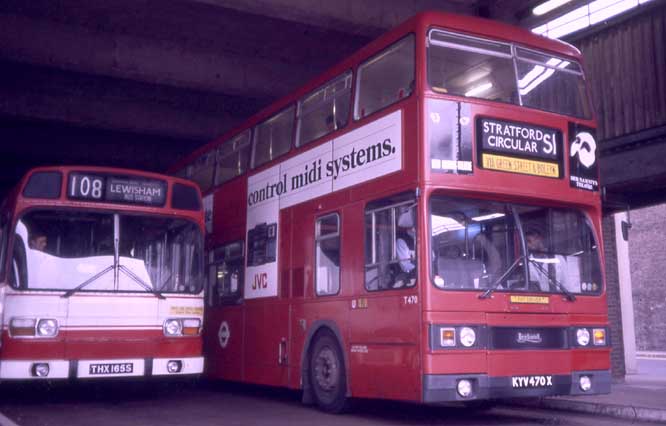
{"x": 327, "y": 374}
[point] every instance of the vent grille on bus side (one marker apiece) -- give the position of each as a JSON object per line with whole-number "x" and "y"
{"x": 43, "y": 185}
{"x": 528, "y": 338}
{"x": 185, "y": 197}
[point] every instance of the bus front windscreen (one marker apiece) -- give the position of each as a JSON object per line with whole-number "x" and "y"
{"x": 481, "y": 245}
{"x": 486, "y": 69}
{"x": 97, "y": 251}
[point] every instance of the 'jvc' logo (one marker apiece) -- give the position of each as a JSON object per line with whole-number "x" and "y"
{"x": 260, "y": 281}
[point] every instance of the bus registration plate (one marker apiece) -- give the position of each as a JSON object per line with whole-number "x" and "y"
{"x": 111, "y": 368}
{"x": 531, "y": 381}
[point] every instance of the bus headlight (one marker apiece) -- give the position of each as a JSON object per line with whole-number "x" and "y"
{"x": 583, "y": 336}
{"x": 173, "y": 327}
{"x": 47, "y": 327}
{"x": 467, "y": 336}
{"x": 182, "y": 327}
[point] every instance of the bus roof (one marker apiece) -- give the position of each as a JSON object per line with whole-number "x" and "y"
{"x": 419, "y": 23}
{"x": 15, "y": 194}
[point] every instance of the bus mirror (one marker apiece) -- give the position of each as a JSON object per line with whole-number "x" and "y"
{"x": 626, "y": 226}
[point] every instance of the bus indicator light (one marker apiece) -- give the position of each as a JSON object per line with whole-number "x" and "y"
{"x": 22, "y": 327}
{"x": 599, "y": 335}
{"x": 448, "y": 337}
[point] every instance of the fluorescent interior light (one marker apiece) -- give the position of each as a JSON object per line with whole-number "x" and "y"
{"x": 487, "y": 217}
{"x": 546, "y": 7}
{"x": 442, "y": 224}
{"x": 479, "y": 89}
{"x": 591, "y": 13}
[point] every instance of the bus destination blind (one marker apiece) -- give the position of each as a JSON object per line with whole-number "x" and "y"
{"x": 523, "y": 148}
{"x": 116, "y": 189}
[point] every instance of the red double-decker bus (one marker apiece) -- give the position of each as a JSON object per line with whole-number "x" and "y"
{"x": 419, "y": 223}
{"x": 101, "y": 273}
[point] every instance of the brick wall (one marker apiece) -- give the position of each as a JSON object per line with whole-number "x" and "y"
{"x": 647, "y": 257}
{"x": 613, "y": 295}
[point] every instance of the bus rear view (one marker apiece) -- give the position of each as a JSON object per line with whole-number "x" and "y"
{"x": 102, "y": 273}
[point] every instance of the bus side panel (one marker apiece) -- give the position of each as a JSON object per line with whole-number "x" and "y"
{"x": 223, "y": 339}
{"x": 384, "y": 348}
{"x": 266, "y": 326}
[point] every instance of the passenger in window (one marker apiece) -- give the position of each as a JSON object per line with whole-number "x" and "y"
{"x": 332, "y": 124}
{"x": 544, "y": 267}
{"x": 405, "y": 244}
{"x": 38, "y": 240}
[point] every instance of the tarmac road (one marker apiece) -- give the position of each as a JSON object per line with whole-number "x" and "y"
{"x": 195, "y": 404}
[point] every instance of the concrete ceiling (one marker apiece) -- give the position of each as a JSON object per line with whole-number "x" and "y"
{"x": 172, "y": 73}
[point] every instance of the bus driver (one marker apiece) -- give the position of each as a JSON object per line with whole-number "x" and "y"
{"x": 404, "y": 247}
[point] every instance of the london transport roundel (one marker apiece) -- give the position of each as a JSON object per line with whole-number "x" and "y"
{"x": 224, "y": 334}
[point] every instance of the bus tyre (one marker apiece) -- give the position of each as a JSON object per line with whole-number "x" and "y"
{"x": 327, "y": 374}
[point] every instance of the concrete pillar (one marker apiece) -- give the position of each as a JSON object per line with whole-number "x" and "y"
{"x": 613, "y": 298}
{"x": 626, "y": 298}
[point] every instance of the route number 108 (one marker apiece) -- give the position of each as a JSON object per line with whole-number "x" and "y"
{"x": 84, "y": 186}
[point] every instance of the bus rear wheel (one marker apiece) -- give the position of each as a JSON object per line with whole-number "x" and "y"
{"x": 327, "y": 374}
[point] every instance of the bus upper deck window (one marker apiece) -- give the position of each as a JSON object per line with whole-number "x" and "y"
{"x": 385, "y": 78}
{"x": 469, "y": 66}
{"x": 201, "y": 171}
{"x": 551, "y": 83}
{"x": 325, "y": 110}
{"x": 273, "y": 137}
{"x": 232, "y": 158}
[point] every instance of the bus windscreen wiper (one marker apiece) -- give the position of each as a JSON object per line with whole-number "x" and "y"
{"x": 90, "y": 280}
{"x": 553, "y": 281}
{"x": 141, "y": 282}
{"x": 486, "y": 294}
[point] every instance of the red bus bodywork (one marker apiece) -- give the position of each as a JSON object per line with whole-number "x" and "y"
{"x": 91, "y": 332}
{"x": 385, "y": 336}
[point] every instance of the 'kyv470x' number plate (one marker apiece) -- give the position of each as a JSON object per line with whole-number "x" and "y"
{"x": 531, "y": 381}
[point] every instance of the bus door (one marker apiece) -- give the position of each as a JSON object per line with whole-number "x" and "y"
{"x": 386, "y": 308}
{"x": 266, "y": 307}
{"x": 224, "y": 336}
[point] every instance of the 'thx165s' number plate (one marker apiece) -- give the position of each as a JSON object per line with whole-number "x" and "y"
{"x": 119, "y": 368}
{"x": 531, "y": 381}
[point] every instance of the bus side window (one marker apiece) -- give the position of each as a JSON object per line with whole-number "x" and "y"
{"x": 3, "y": 244}
{"x": 201, "y": 171}
{"x": 324, "y": 110}
{"x": 225, "y": 274}
{"x": 273, "y": 137}
{"x": 327, "y": 256}
{"x": 385, "y": 78}
{"x": 233, "y": 157}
